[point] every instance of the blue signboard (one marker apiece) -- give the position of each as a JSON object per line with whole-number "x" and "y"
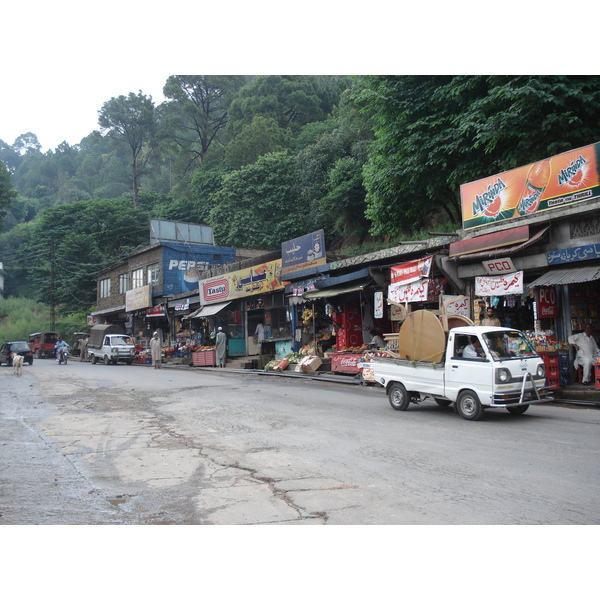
{"x": 303, "y": 252}
{"x": 183, "y": 265}
{"x": 567, "y": 255}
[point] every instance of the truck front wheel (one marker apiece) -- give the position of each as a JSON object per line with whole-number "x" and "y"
{"x": 517, "y": 410}
{"x": 398, "y": 396}
{"x": 468, "y": 406}
{"x": 106, "y": 360}
{"x": 94, "y": 359}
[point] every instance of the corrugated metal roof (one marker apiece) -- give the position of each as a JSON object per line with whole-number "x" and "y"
{"x": 566, "y": 276}
{"x": 336, "y": 291}
{"x": 507, "y": 249}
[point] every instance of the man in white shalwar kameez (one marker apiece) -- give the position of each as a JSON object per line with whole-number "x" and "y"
{"x": 587, "y": 349}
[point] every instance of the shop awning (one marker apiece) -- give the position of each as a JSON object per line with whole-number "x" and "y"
{"x": 336, "y": 291}
{"x": 208, "y": 310}
{"x": 507, "y": 250}
{"x": 566, "y": 276}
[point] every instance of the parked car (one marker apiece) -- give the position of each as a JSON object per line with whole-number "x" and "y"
{"x": 19, "y": 347}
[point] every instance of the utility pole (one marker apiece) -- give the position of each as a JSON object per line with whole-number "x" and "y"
{"x": 52, "y": 314}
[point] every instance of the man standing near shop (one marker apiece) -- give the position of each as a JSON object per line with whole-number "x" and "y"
{"x": 491, "y": 320}
{"x": 221, "y": 347}
{"x": 587, "y": 349}
{"x": 155, "y": 350}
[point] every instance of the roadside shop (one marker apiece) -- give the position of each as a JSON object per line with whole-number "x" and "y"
{"x": 539, "y": 268}
{"x": 240, "y": 300}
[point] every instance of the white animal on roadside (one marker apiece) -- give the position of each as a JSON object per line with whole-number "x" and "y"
{"x": 18, "y": 364}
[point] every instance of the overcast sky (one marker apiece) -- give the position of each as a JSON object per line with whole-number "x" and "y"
{"x": 62, "y": 60}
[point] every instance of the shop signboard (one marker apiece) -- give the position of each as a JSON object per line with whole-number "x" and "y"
{"x": 562, "y": 180}
{"x": 156, "y": 311}
{"x": 456, "y": 305}
{"x": 547, "y": 307}
{"x": 259, "y": 279}
{"x": 378, "y": 302}
{"x": 183, "y": 265}
{"x": 501, "y": 285}
{"x": 138, "y": 298}
{"x": 499, "y": 266}
{"x": 411, "y": 292}
{"x": 567, "y": 255}
{"x": 411, "y": 271}
{"x": 303, "y": 252}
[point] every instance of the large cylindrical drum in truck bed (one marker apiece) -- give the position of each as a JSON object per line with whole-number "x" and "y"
{"x": 422, "y": 337}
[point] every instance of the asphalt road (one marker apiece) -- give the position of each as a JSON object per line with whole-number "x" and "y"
{"x": 96, "y": 444}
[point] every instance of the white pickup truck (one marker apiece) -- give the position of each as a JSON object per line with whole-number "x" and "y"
{"x": 110, "y": 344}
{"x": 504, "y": 372}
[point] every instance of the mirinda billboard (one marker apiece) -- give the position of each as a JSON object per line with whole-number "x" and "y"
{"x": 555, "y": 182}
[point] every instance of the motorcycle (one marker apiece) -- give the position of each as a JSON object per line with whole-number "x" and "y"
{"x": 62, "y": 356}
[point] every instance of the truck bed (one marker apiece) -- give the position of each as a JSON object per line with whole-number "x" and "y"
{"x": 416, "y": 376}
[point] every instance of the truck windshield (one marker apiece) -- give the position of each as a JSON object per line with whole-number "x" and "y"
{"x": 504, "y": 345}
{"x": 122, "y": 340}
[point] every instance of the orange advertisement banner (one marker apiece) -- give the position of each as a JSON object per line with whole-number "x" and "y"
{"x": 555, "y": 182}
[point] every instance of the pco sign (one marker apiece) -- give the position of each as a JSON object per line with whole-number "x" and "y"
{"x": 547, "y": 304}
{"x": 499, "y": 266}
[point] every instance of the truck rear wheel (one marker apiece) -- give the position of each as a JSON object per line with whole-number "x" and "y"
{"x": 468, "y": 406}
{"x": 440, "y": 402}
{"x": 517, "y": 410}
{"x": 94, "y": 359}
{"x": 398, "y": 396}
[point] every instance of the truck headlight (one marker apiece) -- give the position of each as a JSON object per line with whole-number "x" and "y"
{"x": 502, "y": 375}
{"x": 541, "y": 371}
{"x": 114, "y": 351}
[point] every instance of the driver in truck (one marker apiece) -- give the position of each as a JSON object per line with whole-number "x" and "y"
{"x": 474, "y": 349}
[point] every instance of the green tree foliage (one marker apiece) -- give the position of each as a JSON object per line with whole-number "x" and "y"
{"x": 434, "y": 133}
{"x": 261, "y": 136}
{"x": 7, "y": 192}
{"x": 196, "y": 114}
{"x": 18, "y": 251}
{"x": 131, "y": 121}
{"x": 194, "y": 207}
{"x": 257, "y": 205}
{"x": 329, "y": 162}
{"x": 88, "y": 238}
{"x": 20, "y": 317}
{"x": 277, "y": 107}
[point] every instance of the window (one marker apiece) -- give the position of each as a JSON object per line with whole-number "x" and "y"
{"x": 105, "y": 288}
{"x": 153, "y": 274}
{"x": 123, "y": 283}
{"x": 137, "y": 278}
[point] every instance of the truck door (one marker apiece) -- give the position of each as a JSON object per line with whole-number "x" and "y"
{"x": 467, "y": 367}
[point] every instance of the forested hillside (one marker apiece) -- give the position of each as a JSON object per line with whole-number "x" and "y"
{"x": 268, "y": 158}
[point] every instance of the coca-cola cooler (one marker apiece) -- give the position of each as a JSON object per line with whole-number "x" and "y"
{"x": 349, "y": 331}
{"x": 345, "y": 362}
